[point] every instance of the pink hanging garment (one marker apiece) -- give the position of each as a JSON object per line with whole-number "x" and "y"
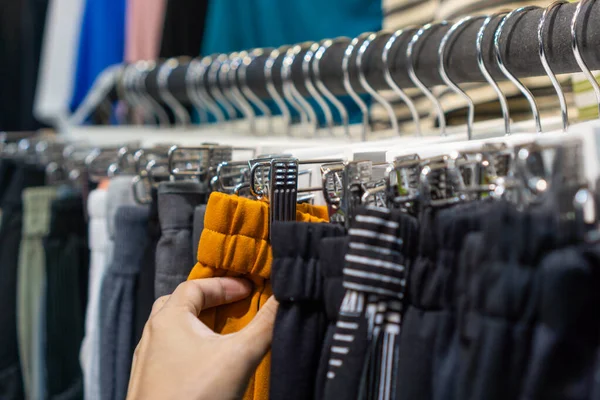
{"x": 144, "y": 29}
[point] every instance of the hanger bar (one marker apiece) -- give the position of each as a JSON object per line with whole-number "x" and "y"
{"x": 519, "y": 41}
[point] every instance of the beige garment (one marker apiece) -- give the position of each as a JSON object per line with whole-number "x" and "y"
{"x": 31, "y": 280}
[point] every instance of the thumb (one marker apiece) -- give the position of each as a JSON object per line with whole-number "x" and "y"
{"x": 258, "y": 334}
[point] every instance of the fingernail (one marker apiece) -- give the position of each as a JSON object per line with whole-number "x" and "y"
{"x": 237, "y": 288}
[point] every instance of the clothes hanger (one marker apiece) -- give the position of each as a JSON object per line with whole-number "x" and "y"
{"x": 198, "y": 101}
{"x": 499, "y": 57}
{"x": 577, "y": 53}
{"x": 349, "y": 150}
{"x": 196, "y": 76}
{"x": 486, "y": 73}
{"x": 235, "y": 85}
{"x": 343, "y": 113}
{"x": 101, "y": 88}
{"x": 142, "y": 89}
{"x": 222, "y": 80}
{"x": 307, "y": 114}
{"x": 250, "y": 95}
{"x": 442, "y": 52}
{"x": 348, "y": 85}
{"x": 270, "y": 86}
{"x": 313, "y": 120}
{"x": 182, "y": 117}
{"x": 214, "y": 88}
{"x": 548, "y": 69}
{"x": 415, "y": 79}
{"x": 307, "y": 62}
{"x": 229, "y": 75}
{"x": 456, "y": 143}
{"x": 363, "y": 81}
{"x": 126, "y": 91}
{"x": 392, "y": 83}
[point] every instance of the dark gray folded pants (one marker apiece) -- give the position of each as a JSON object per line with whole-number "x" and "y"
{"x": 175, "y": 256}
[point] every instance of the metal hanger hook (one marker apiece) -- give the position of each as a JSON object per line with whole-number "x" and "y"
{"x": 542, "y": 52}
{"x": 363, "y": 81}
{"x": 348, "y": 85}
{"x": 392, "y": 83}
{"x": 250, "y": 95}
{"x": 144, "y": 69}
{"x": 509, "y": 75}
{"x": 272, "y": 90}
{"x": 199, "y": 70}
{"x": 213, "y": 84}
{"x": 182, "y": 117}
{"x": 486, "y": 73}
{"x": 415, "y": 79}
{"x": 577, "y": 53}
{"x": 325, "y": 45}
{"x": 199, "y": 102}
{"x": 442, "y": 56}
{"x": 307, "y": 62}
{"x": 307, "y": 113}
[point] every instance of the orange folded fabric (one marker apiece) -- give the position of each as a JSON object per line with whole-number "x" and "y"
{"x": 235, "y": 242}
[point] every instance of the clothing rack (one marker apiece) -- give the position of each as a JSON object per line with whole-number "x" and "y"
{"x": 519, "y": 44}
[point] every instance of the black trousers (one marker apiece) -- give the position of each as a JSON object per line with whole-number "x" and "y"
{"x": 300, "y": 323}
{"x": 496, "y": 331}
{"x": 145, "y": 284}
{"x": 566, "y": 337}
{"x": 67, "y": 264}
{"x": 331, "y": 254}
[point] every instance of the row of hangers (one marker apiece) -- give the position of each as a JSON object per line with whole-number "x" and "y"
{"x": 417, "y": 172}
{"x": 217, "y": 84}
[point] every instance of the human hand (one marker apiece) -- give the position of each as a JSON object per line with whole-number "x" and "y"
{"x": 180, "y": 358}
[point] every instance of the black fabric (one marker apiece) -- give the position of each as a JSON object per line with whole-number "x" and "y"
{"x": 145, "y": 285}
{"x": 566, "y": 337}
{"x": 497, "y": 330}
{"x": 183, "y": 29}
{"x": 300, "y": 323}
{"x": 331, "y": 254}
{"x": 67, "y": 264}
{"x": 454, "y": 226}
{"x": 21, "y": 176}
{"x": 419, "y": 327}
{"x": 7, "y": 170}
{"x": 21, "y": 34}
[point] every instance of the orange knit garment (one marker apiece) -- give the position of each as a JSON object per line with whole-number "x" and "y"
{"x": 235, "y": 242}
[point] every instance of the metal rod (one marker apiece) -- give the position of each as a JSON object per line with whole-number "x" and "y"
{"x": 519, "y": 43}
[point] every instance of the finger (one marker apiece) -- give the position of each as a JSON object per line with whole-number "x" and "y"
{"x": 200, "y": 294}
{"x": 159, "y": 304}
{"x": 259, "y": 332}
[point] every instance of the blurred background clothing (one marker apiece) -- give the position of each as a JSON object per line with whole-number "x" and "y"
{"x": 273, "y": 23}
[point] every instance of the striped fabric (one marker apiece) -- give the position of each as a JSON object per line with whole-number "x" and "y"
{"x": 402, "y": 13}
{"x": 371, "y": 312}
